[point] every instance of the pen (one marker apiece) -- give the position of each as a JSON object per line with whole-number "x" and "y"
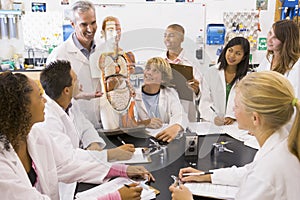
{"x": 190, "y": 83}
{"x": 176, "y": 180}
{"x": 142, "y": 184}
{"x": 213, "y": 110}
{"x": 196, "y": 174}
{"x": 153, "y": 115}
{"x": 128, "y": 186}
{"x": 120, "y": 140}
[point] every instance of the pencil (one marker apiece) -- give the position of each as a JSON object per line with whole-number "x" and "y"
{"x": 128, "y": 186}
{"x": 196, "y": 174}
{"x": 120, "y": 139}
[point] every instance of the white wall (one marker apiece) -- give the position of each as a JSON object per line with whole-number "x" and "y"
{"x": 143, "y": 22}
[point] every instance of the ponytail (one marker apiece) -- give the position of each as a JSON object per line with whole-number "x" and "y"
{"x": 294, "y": 136}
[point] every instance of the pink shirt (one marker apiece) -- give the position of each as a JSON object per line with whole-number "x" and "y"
{"x": 115, "y": 170}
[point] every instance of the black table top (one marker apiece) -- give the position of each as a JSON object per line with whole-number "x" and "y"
{"x": 168, "y": 161}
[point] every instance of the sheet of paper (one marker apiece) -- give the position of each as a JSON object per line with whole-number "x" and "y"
{"x": 138, "y": 157}
{"x": 212, "y": 190}
{"x": 112, "y": 186}
{"x": 206, "y": 128}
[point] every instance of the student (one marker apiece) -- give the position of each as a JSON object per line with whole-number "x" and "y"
{"x": 217, "y": 104}
{"x": 77, "y": 50}
{"x": 70, "y": 129}
{"x": 31, "y": 163}
{"x": 283, "y": 52}
{"x": 264, "y": 103}
{"x": 173, "y": 39}
{"x": 157, "y": 103}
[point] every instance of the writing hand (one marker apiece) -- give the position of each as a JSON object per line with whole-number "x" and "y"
{"x": 219, "y": 121}
{"x": 180, "y": 193}
{"x": 123, "y": 152}
{"x": 131, "y": 193}
{"x": 197, "y": 178}
{"x": 139, "y": 172}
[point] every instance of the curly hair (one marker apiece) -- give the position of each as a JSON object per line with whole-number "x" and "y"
{"x": 15, "y": 117}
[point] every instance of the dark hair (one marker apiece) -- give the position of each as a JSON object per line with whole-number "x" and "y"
{"x": 243, "y": 66}
{"x": 15, "y": 117}
{"x": 287, "y": 32}
{"x": 177, "y": 27}
{"x": 55, "y": 77}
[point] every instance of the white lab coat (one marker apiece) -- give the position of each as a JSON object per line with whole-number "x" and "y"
{"x": 189, "y": 106}
{"x": 81, "y": 65}
{"x": 68, "y": 132}
{"x": 274, "y": 173}
{"x": 170, "y": 108}
{"x": 293, "y": 76}
{"x": 52, "y": 164}
{"x": 215, "y": 97}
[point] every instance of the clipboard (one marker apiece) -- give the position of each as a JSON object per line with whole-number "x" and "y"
{"x": 181, "y": 74}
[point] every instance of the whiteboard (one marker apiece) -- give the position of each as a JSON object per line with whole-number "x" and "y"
{"x": 143, "y": 24}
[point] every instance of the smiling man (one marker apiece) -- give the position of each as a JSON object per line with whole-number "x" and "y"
{"x": 175, "y": 54}
{"x": 77, "y": 50}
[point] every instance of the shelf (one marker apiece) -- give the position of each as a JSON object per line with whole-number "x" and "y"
{"x": 11, "y": 12}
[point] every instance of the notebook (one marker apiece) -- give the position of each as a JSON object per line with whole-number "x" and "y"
{"x": 181, "y": 74}
{"x": 147, "y": 193}
{"x": 212, "y": 190}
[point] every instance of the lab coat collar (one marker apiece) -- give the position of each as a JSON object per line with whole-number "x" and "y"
{"x": 74, "y": 51}
{"x": 53, "y": 105}
{"x": 36, "y": 149}
{"x": 13, "y": 157}
{"x": 274, "y": 140}
{"x": 11, "y": 154}
{"x": 221, "y": 74}
{"x": 180, "y": 58}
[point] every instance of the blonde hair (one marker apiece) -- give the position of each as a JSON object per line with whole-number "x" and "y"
{"x": 271, "y": 95}
{"x": 164, "y": 67}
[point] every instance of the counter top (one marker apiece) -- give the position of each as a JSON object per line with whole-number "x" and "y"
{"x": 24, "y": 70}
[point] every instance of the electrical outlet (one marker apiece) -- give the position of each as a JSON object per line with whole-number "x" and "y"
{"x": 191, "y": 144}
